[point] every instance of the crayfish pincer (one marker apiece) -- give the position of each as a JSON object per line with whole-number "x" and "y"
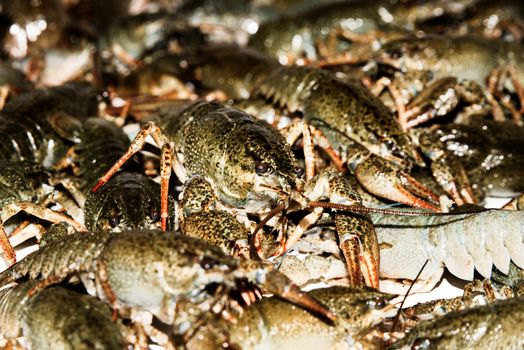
{"x": 152, "y": 270}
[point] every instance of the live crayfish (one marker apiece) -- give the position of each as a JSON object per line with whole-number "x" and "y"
{"x": 340, "y": 27}
{"x": 275, "y": 324}
{"x": 130, "y": 200}
{"x": 152, "y": 270}
{"x": 482, "y": 327}
{"x": 24, "y": 186}
{"x": 130, "y": 41}
{"x": 57, "y": 318}
{"x": 27, "y": 122}
{"x": 461, "y": 243}
{"x": 498, "y": 69}
{"x": 346, "y": 112}
{"x": 345, "y": 109}
{"x": 481, "y": 313}
{"x": 250, "y": 167}
{"x": 489, "y": 152}
{"x": 502, "y": 20}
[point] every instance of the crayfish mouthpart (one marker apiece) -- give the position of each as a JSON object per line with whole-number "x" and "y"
{"x": 255, "y": 243}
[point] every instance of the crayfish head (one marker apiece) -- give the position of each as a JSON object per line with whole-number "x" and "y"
{"x": 356, "y": 307}
{"x": 128, "y": 201}
{"x": 257, "y": 168}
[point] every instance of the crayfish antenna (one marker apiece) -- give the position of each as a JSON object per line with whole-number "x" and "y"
{"x": 397, "y": 316}
{"x": 357, "y": 208}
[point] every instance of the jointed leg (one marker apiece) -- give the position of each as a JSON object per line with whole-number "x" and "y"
{"x": 106, "y": 288}
{"x": 165, "y": 174}
{"x": 42, "y": 213}
{"x": 7, "y": 248}
{"x": 136, "y": 145}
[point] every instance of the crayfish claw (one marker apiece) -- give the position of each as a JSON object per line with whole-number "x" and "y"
{"x": 446, "y": 169}
{"x": 277, "y": 283}
{"x": 390, "y": 182}
{"x": 452, "y": 178}
{"x": 359, "y": 244}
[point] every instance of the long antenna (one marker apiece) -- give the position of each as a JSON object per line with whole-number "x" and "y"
{"x": 361, "y": 209}
{"x": 397, "y": 316}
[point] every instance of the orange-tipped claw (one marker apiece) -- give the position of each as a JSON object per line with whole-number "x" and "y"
{"x": 265, "y": 276}
{"x": 359, "y": 244}
{"x": 417, "y": 188}
{"x": 402, "y": 195}
{"x": 385, "y": 180}
{"x": 278, "y": 284}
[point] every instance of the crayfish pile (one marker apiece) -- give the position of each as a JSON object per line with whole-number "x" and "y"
{"x": 209, "y": 174}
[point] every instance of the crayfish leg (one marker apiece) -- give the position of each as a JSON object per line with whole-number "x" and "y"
{"x": 7, "y": 248}
{"x": 305, "y": 223}
{"x": 322, "y": 141}
{"x": 42, "y": 213}
{"x": 4, "y": 93}
{"x": 292, "y": 133}
{"x": 43, "y": 284}
{"x": 106, "y": 288}
{"x": 165, "y": 175}
{"x": 137, "y": 144}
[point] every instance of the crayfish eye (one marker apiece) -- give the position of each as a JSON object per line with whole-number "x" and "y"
{"x": 421, "y": 344}
{"x": 114, "y": 221}
{"x": 154, "y": 214}
{"x": 380, "y": 303}
{"x": 299, "y": 171}
{"x": 390, "y": 145}
{"x": 395, "y": 53}
{"x": 208, "y": 263}
{"x": 261, "y": 168}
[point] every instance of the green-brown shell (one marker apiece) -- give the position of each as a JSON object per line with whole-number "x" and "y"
{"x": 225, "y": 145}
{"x": 346, "y": 107}
{"x": 58, "y": 318}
